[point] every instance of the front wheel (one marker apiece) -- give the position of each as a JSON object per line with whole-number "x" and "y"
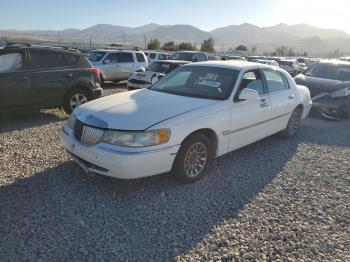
{"x": 293, "y": 124}
{"x": 74, "y": 98}
{"x": 192, "y": 160}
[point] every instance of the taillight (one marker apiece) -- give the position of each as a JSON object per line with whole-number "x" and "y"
{"x": 95, "y": 71}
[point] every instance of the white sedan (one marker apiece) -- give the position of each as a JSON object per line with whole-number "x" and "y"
{"x": 196, "y": 113}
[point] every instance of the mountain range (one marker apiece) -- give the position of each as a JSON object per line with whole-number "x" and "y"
{"x": 301, "y": 37}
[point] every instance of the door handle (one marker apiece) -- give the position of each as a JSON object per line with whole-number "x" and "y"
{"x": 68, "y": 75}
{"x": 291, "y": 96}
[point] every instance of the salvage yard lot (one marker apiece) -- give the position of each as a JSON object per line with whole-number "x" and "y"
{"x": 273, "y": 199}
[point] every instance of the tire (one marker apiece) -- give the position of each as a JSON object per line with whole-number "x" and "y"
{"x": 293, "y": 124}
{"x": 74, "y": 98}
{"x": 183, "y": 170}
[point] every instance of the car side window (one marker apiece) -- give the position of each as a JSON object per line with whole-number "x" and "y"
{"x": 252, "y": 80}
{"x": 275, "y": 81}
{"x": 43, "y": 59}
{"x": 112, "y": 58}
{"x": 126, "y": 58}
{"x": 11, "y": 62}
{"x": 140, "y": 58}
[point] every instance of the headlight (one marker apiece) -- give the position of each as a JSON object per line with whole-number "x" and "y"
{"x": 341, "y": 93}
{"x": 71, "y": 121}
{"x": 136, "y": 138}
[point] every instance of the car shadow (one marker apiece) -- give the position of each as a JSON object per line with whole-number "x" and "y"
{"x": 26, "y": 119}
{"x": 321, "y": 132}
{"x": 63, "y": 214}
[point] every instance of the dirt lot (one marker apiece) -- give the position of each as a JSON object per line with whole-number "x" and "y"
{"x": 275, "y": 199}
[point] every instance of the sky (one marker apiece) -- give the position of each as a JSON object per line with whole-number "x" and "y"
{"x": 204, "y": 14}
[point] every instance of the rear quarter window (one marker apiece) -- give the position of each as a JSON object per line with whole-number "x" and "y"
{"x": 140, "y": 58}
{"x": 69, "y": 59}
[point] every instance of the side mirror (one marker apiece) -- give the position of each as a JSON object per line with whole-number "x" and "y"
{"x": 249, "y": 94}
{"x": 106, "y": 61}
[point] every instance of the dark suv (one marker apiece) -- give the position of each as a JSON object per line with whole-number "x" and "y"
{"x": 38, "y": 77}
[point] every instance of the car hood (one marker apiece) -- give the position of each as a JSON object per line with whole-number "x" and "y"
{"x": 137, "y": 110}
{"x": 320, "y": 85}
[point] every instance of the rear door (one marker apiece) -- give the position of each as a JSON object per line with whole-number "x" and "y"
{"x": 15, "y": 89}
{"x": 48, "y": 80}
{"x": 127, "y": 64}
{"x": 282, "y": 96}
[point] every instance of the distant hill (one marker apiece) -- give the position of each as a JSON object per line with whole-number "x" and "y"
{"x": 301, "y": 37}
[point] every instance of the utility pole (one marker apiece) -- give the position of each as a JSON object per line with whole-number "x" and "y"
{"x": 90, "y": 41}
{"x": 145, "y": 42}
{"x": 59, "y": 38}
{"x": 222, "y": 48}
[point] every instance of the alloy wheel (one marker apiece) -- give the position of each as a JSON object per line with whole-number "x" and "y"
{"x": 195, "y": 159}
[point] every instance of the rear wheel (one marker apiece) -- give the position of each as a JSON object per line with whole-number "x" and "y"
{"x": 192, "y": 160}
{"x": 74, "y": 98}
{"x": 293, "y": 124}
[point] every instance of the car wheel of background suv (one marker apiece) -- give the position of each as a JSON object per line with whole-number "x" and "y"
{"x": 74, "y": 98}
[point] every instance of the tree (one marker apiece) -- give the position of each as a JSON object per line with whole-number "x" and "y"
{"x": 170, "y": 46}
{"x": 187, "y": 46}
{"x": 154, "y": 44}
{"x": 253, "y": 49}
{"x": 208, "y": 45}
{"x": 241, "y": 48}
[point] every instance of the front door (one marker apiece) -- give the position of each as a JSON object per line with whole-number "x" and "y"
{"x": 15, "y": 92}
{"x": 250, "y": 119}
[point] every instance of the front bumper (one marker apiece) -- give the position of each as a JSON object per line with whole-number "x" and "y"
{"x": 333, "y": 107}
{"x": 137, "y": 86}
{"x": 117, "y": 162}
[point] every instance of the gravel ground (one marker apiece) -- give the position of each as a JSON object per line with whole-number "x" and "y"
{"x": 276, "y": 199}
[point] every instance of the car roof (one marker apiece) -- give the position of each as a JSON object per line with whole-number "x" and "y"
{"x": 172, "y": 61}
{"x": 232, "y": 64}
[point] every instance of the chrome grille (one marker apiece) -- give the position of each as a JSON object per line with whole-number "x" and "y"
{"x": 91, "y": 136}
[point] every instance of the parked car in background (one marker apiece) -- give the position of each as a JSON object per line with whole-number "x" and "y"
{"x": 290, "y": 65}
{"x": 304, "y": 60}
{"x": 117, "y": 65}
{"x": 329, "y": 85}
{"x": 156, "y": 55}
{"x": 198, "y": 112}
{"x": 192, "y": 56}
{"x": 266, "y": 62}
{"x": 345, "y": 58}
{"x": 156, "y": 70}
{"x": 38, "y": 77}
{"x": 230, "y": 57}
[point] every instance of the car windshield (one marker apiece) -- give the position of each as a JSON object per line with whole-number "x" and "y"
{"x": 199, "y": 81}
{"x": 182, "y": 56}
{"x": 329, "y": 71}
{"x": 159, "y": 67}
{"x": 96, "y": 56}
